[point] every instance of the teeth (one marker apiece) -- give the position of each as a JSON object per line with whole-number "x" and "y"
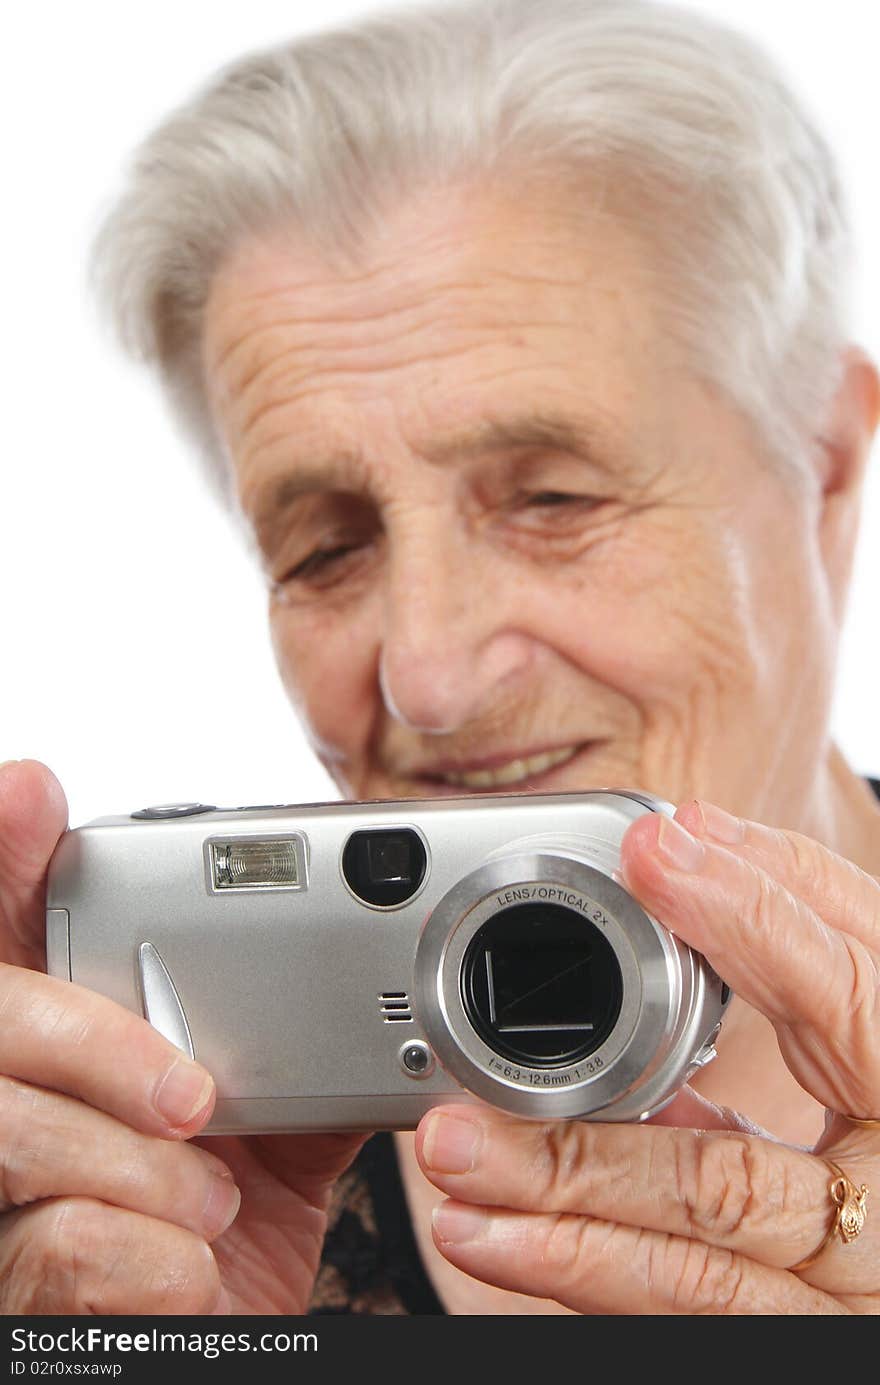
{"x": 513, "y": 771}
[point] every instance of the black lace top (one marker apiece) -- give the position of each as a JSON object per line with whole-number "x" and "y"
{"x": 371, "y": 1263}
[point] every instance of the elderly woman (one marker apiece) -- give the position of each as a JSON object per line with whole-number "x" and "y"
{"x": 517, "y": 333}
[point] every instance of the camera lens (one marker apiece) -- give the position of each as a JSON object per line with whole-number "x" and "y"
{"x": 385, "y": 867}
{"x": 541, "y": 984}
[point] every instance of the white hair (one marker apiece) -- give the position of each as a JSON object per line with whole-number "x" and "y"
{"x": 718, "y": 165}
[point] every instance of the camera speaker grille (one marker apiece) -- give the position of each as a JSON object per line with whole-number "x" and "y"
{"x": 394, "y": 1007}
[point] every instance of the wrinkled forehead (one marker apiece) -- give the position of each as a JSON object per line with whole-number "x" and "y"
{"x": 458, "y": 309}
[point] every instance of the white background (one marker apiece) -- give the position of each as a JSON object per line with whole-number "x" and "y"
{"x": 134, "y": 652}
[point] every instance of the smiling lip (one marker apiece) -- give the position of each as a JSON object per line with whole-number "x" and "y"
{"x": 504, "y": 771}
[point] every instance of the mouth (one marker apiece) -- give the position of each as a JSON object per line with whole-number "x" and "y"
{"x": 532, "y": 771}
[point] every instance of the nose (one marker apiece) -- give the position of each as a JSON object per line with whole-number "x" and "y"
{"x": 451, "y": 639}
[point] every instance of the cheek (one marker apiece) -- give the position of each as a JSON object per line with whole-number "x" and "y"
{"x": 328, "y": 667}
{"x": 655, "y": 611}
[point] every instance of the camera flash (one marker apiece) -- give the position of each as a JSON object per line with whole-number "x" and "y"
{"x": 253, "y": 864}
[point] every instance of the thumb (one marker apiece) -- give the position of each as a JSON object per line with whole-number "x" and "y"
{"x": 33, "y": 815}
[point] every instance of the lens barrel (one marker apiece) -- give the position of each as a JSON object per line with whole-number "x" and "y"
{"x": 545, "y": 989}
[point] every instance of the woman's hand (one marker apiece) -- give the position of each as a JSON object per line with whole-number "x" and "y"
{"x": 106, "y": 1206}
{"x": 657, "y": 1219}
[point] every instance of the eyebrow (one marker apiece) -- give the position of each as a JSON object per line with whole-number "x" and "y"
{"x": 345, "y": 467}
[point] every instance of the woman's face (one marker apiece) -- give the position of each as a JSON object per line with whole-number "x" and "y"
{"x": 513, "y": 544}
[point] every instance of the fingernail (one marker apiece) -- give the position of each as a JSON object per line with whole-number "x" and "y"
{"x": 214, "y": 1166}
{"x": 450, "y": 1145}
{"x": 721, "y": 826}
{"x": 221, "y": 1207}
{"x": 184, "y": 1091}
{"x": 455, "y": 1225}
{"x": 678, "y": 847}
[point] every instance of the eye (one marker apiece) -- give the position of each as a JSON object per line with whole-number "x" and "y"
{"x": 323, "y": 563}
{"x": 555, "y": 507}
{"x": 550, "y": 499}
{"x": 327, "y": 541}
{"x": 554, "y": 519}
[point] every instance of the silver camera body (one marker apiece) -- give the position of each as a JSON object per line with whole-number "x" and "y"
{"x": 347, "y": 966}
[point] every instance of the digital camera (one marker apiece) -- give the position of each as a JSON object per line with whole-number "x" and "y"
{"x": 347, "y": 966}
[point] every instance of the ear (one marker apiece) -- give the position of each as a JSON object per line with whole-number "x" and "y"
{"x": 843, "y": 450}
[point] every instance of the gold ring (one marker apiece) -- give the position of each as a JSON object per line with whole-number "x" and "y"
{"x": 859, "y": 1120}
{"x": 849, "y": 1217}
